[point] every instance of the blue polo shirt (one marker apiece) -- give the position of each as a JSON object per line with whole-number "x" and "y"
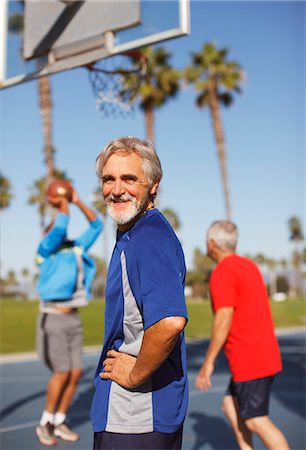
{"x": 145, "y": 284}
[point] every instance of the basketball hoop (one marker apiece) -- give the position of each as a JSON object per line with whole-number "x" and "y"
{"x": 115, "y": 81}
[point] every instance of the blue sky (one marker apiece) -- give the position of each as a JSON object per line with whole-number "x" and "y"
{"x": 264, "y": 132}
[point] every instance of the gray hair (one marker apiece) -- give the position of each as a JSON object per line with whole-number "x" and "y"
{"x": 130, "y": 144}
{"x": 224, "y": 233}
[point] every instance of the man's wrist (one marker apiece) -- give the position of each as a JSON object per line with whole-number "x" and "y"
{"x": 209, "y": 359}
{"x": 134, "y": 379}
{"x": 64, "y": 206}
{"x": 77, "y": 202}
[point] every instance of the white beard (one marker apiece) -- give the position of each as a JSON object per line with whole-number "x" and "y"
{"x": 125, "y": 217}
{"x": 122, "y": 218}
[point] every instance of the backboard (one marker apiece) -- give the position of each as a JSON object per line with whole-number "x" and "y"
{"x": 60, "y": 35}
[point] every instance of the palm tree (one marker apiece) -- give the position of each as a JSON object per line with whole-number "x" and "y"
{"x": 5, "y": 192}
{"x": 38, "y": 194}
{"x": 172, "y": 218}
{"x": 283, "y": 264}
{"x": 16, "y": 26}
{"x": 157, "y": 83}
{"x": 38, "y": 197}
{"x": 45, "y": 107}
{"x": 11, "y": 279}
{"x": 295, "y": 229}
{"x": 271, "y": 264}
{"x": 198, "y": 278}
{"x": 216, "y": 79}
{"x": 268, "y": 269}
{"x": 25, "y": 273}
{"x": 260, "y": 259}
{"x": 297, "y": 237}
{"x": 99, "y": 203}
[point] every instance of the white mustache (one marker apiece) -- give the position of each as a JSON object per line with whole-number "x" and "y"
{"x": 119, "y": 198}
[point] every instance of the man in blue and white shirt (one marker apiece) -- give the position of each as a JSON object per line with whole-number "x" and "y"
{"x": 141, "y": 382}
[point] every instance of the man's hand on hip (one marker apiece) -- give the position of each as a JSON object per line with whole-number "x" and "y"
{"x": 118, "y": 367}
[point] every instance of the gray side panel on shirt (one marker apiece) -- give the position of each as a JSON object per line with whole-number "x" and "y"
{"x": 130, "y": 411}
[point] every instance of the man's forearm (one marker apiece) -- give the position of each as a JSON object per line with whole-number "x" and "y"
{"x": 220, "y": 329}
{"x": 88, "y": 212}
{"x": 158, "y": 342}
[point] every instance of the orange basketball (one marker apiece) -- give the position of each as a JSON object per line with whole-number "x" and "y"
{"x": 60, "y": 188}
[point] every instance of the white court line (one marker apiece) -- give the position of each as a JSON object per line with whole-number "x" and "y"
{"x": 33, "y": 379}
{"x": 193, "y": 393}
{"x": 23, "y": 380}
{"x": 24, "y": 425}
{"x": 21, "y": 426}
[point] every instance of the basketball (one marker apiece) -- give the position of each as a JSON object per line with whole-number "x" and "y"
{"x": 60, "y": 188}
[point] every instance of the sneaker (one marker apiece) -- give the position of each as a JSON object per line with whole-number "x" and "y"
{"x": 64, "y": 432}
{"x": 45, "y": 434}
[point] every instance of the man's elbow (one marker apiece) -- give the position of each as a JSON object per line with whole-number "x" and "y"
{"x": 177, "y": 323}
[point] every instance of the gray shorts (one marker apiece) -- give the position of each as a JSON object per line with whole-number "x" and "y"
{"x": 59, "y": 341}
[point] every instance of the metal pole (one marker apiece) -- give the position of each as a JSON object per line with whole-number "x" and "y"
{"x": 3, "y": 39}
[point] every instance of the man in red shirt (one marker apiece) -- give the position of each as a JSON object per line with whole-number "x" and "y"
{"x": 243, "y": 326}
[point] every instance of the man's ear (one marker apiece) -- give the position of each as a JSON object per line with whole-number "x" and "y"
{"x": 153, "y": 189}
{"x": 212, "y": 246}
{"x": 209, "y": 244}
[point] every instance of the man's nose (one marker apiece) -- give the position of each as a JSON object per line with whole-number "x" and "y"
{"x": 118, "y": 188}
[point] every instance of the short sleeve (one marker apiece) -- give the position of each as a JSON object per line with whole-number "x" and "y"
{"x": 161, "y": 275}
{"x": 223, "y": 288}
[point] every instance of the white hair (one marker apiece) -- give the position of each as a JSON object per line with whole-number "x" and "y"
{"x": 130, "y": 144}
{"x": 225, "y": 235}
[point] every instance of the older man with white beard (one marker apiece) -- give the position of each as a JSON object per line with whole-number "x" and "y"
{"x": 141, "y": 380}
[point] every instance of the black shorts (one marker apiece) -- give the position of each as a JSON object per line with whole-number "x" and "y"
{"x": 149, "y": 441}
{"x": 253, "y": 396}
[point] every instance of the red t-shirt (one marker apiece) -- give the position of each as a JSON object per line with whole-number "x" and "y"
{"x": 251, "y": 347}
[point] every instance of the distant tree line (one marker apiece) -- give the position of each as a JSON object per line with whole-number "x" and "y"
{"x": 281, "y": 275}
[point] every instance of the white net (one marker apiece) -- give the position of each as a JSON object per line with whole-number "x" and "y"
{"x": 115, "y": 82}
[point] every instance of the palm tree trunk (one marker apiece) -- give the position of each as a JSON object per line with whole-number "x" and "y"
{"x": 272, "y": 281}
{"x": 45, "y": 105}
{"x": 219, "y": 137}
{"x": 149, "y": 119}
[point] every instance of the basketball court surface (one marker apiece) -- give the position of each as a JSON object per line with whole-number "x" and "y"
{"x": 23, "y": 388}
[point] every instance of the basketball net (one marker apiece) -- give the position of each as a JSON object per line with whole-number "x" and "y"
{"x": 115, "y": 96}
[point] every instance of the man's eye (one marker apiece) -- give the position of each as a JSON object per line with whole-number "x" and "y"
{"x": 130, "y": 181}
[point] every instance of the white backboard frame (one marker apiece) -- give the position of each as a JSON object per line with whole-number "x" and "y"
{"x": 108, "y": 47}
